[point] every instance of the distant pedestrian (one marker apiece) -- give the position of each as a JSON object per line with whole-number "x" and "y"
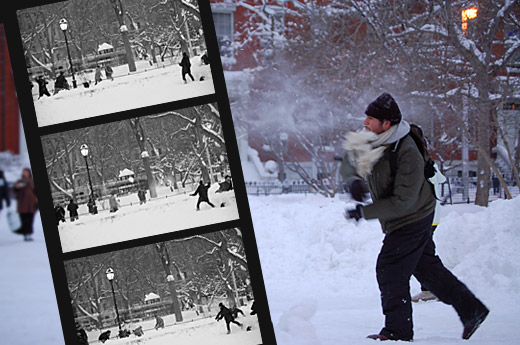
{"x": 159, "y": 322}
{"x": 27, "y": 203}
{"x": 204, "y": 58}
{"x": 253, "y": 309}
{"x": 141, "y": 194}
{"x": 113, "y": 203}
{"x": 496, "y": 185}
{"x": 97, "y": 75}
{"x": 42, "y": 87}
{"x": 202, "y": 191}
{"x": 104, "y": 336}
{"x": 82, "y": 335}
{"x": 72, "y": 207}
{"x": 226, "y": 185}
{"x": 108, "y": 72}
{"x": 186, "y": 67}
{"x": 4, "y": 192}
{"x": 61, "y": 83}
{"x": 225, "y": 314}
{"x": 59, "y": 212}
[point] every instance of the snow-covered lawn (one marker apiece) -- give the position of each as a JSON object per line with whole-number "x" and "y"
{"x": 167, "y": 213}
{"x": 146, "y": 87}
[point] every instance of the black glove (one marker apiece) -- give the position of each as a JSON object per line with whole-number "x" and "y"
{"x": 358, "y": 191}
{"x": 356, "y": 213}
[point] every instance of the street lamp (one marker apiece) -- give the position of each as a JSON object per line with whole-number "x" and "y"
{"x": 110, "y": 277}
{"x": 91, "y": 203}
{"x": 63, "y": 26}
{"x": 466, "y": 14}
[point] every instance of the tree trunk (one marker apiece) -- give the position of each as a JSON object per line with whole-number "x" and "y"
{"x": 164, "y": 255}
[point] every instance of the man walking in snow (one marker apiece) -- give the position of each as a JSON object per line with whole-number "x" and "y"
{"x": 186, "y": 67}
{"x": 42, "y": 87}
{"x": 202, "y": 191}
{"x": 73, "y": 210}
{"x": 404, "y": 203}
{"x": 226, "y": 314}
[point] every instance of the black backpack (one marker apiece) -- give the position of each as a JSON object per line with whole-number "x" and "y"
{"x": 418, "y": 137}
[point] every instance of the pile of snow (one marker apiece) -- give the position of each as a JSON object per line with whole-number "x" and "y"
{"x": 311, "y": 256}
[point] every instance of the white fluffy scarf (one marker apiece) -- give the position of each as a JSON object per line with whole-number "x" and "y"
{"x": 365, "y": 148}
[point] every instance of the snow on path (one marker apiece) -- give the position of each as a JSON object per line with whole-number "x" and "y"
{"x": 125, "y": 92}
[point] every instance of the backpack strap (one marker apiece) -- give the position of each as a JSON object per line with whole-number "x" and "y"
{"x": 393, "y": 156}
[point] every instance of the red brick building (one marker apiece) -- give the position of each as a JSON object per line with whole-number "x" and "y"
{"x": 9, "y": 112}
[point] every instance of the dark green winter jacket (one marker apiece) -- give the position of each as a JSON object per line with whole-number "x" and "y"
{"x": 400, "y": 200}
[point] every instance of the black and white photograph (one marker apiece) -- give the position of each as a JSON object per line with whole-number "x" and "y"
{"x": 189, "y": 291}
{"x": 139, "y": 177}
{"x": 89, "y": 58}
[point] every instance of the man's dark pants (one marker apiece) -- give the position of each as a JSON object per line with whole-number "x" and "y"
{"x": 410, "y": 251}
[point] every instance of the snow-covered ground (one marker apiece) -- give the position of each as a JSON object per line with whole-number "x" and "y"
{"x": 148, "y": 86}
{"x": 167, "y": 213}
{"x": 319, "y": 274}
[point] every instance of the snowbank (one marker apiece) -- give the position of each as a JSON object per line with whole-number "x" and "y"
{"x": 319, "y": 270}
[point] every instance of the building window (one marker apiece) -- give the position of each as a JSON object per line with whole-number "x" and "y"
{"x": 224, "y": 29}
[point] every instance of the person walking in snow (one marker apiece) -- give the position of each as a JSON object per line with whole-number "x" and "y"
{"x": 436, "y": 180}
{"x": 61, "y": 83}
{"x": 72, "y": 207}
{"x": 97, "y": 75}
{"x": 42, "y": 87}
{"x": 202, "y": 191}
{"x": 141, "y": 194}
{"x": 4, "y": 192}
{"x": 159, "y": 322}
{"x": 108, "y": 72}
{"x": 27, "y": 203}
{"x": 113, "y": 203}
{"x": 226, "y": 185}
{"x": 186, "y": 67}
{"x": 404, "y": 203}
{"x": 59, "y": 213}
{"x": 225, "y": 314}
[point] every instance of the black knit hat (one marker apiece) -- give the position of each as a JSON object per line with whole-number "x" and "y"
{"x": 384, "y": 108}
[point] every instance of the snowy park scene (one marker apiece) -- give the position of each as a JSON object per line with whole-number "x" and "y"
{"x": 195, "y": 290}
{"x": 90, "y": 58}
{"x": 139, "y": 177}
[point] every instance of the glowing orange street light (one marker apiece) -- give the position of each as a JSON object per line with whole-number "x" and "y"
{"x": 469, "y": 13}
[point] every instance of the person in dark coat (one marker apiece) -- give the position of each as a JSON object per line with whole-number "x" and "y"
{"x": 104, "y": 336}
{"x": 202, "y": 191}
{"x": 82, "y": 335}
{"x": 186, "y": 67}
{"x": 226, "y": 185}
{"x": 61, "y": 83}
{"x": 141, "y": 194}
{"x": 253, "y": 309}
{"x": 113, "y": 203}
{"x": 27, "y": 203}
{"x": 59, "y": 212}
{"x": 205, "y": 59}
{"x": 97, "y": 75}
{"x": 73, "y": 210}
{"x": 42, "y": 87}
{"x": 108, "y": 72}
{"x": 159, "y": 322}
{"x": 225, "y": 314}
{"x": 404, "y": 203}
{"x": 4, "y": 192}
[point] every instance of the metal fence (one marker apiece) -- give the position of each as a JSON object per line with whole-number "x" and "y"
{"x": 452, "y": 190}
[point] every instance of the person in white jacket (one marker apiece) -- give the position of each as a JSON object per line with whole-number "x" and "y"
{"x": 437, "y": 180}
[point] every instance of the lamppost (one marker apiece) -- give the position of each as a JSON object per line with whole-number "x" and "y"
{"x": 110, "y": 277}
{"x": 91, "y": 203}
{"x": 63, "y": 26}
{"x": 466, "y": 14}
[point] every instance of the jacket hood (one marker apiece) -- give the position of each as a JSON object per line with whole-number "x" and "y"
{"x": 402, "y": 130}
